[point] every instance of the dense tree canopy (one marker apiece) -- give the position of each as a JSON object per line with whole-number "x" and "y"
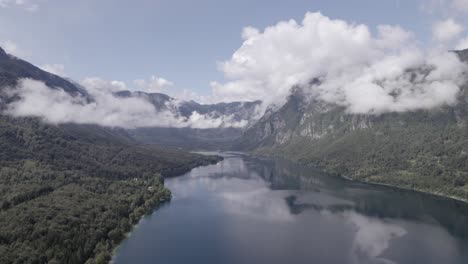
{"x": 69, "y": 196}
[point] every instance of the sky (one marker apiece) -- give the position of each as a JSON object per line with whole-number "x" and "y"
{"x": 370, "y": 57}
{"x": 177, "y": 45}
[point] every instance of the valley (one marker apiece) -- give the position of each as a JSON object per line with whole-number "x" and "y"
{"x": 243, "y": 207}
{"x": 61, "y": 180}
{"x": 134, "y": 133}
{"x": 69, "y": 193}
{"x": 424, "y": 150}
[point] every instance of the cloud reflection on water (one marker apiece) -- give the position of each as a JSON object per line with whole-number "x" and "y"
{"x": 373, "y": 237}
{"x": 244, "y": 190}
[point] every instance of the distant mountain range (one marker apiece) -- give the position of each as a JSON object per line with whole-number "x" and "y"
{"x": 193, "y": 138}
{"x": 239, "y": 110}
{"x": 13, "y": 69}
{"x": 422, "y": 149}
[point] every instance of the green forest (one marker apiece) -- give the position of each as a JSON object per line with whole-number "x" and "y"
{"x": 420, "y": 156}
{"x": 69, "y": 196}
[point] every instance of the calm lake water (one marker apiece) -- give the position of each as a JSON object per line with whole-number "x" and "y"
{"x": 247, "y": 210}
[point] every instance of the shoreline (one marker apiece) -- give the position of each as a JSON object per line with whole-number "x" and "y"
{"x": 347, "y": 178}
{"x": 163, "y": 203}
{"x": 132, "y": 229}
{"x": 440, "y": 195}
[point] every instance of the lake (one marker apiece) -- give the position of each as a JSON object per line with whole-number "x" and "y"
{"x": 252, "y": 210}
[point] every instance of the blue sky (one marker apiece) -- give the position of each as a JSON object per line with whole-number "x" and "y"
{"x": 181, "y": 41}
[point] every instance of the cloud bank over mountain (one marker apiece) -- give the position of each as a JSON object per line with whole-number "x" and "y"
{"x": 57, "y": 106}
{"x": 155, "y": 84}
{"x": 366, "y": 72}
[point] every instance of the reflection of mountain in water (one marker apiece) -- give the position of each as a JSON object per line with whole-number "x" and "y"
{"x": 374, "y": 201}
{"x": 249, "y": 210}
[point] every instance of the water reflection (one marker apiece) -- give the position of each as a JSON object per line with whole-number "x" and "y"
{"x": 375, "y": 201}
{"x": 249, "y": 210}
{"x": 237, "y": 189}
{"x": 372, "y": 239}
{"x": 372, "y": 236}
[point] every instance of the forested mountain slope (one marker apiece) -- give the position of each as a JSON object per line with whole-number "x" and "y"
{"x": 69, "y": 193}
{"x": 12, "y": 69}
{"x": 425, "y": 149}
{"x": 66, "y": 200}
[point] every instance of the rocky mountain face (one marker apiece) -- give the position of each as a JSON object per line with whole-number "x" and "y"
{"x": 315, "y": 120}
{"x": 425, "y": 149}
{"x": 195, "y": 138}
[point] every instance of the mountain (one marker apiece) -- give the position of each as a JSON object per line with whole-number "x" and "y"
{"x": 425, "y": 150}
{"x": 195, "y": 138}
{"x": 12, "y": 69}
{"x": 69, "y": 193}
{"x": 160, "y": 101}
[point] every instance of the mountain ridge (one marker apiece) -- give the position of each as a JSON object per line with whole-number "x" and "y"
{"x": 186, "y": 108}
{"x": 69, "y": 193}
{"x": 210, "y": 138}
{"x": 12, "y": 69}
{"x": 389, "y": 148}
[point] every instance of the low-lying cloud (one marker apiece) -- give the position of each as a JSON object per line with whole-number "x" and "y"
{"x": 154, "y": 85}
{"x": 334, "y": 61}
{"x": 56, "y": 106}
{"x": 365, "y": 72}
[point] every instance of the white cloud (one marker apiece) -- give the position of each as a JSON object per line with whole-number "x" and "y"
{"x": 10, "y": 47}
{"x": 446, "y": 30}
{"x": 198, "y": 120}
{"x": 99, "y": 85}
{"x": 372, "y": 238}
{"x": 460, "y": 4}
{"x": 462, "y": 44}
{"x": 56, "y": 106}
{"x": 57, "y": 69}
{"x": 367, "y": 73}
{"x": 391, "y": 86}
{"x": 189, "y": 95}
{"x": 364, "y": 72}
{"x": 444, "y": 7}
{"x": 28, "y": 5}
{"x": 154, "y": 85}
{"x": 392, "y": 37}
